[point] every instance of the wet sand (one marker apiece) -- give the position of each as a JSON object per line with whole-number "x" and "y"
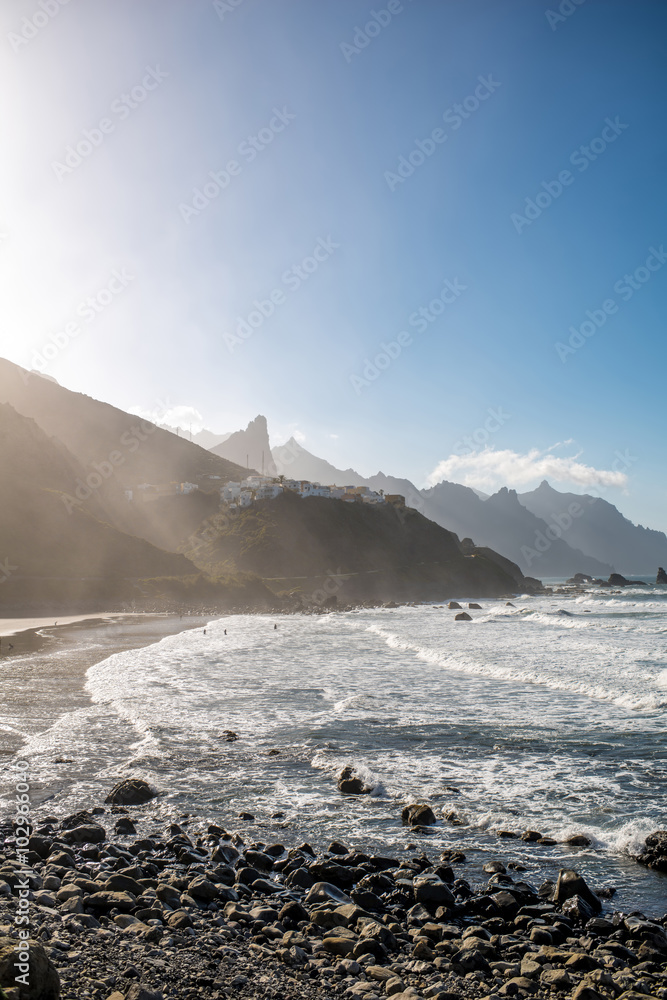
{"x": 43, "y": 676}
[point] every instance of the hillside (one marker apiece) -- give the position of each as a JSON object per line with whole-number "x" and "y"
{"x": 124, "y": 451}
{"x": 50, "y": 548}
{"x": 92, "y": 431}
{"x": 364, "y": 552}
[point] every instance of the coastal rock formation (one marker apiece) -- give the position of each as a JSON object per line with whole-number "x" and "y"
{"x": 41, "y": 975}
{"x": 349, "y": 783}
{"x": 131, "y": 792}
{"x": 418, "y": 814}
{"x": 616, "y": 580}
{"x": 463, "y": 616}
{"x": 654, "y": 854}
{"x": 454, "y": 606}
{"x": 662, "y": 576}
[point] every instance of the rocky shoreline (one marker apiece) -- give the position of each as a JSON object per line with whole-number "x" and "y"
{"x": 192, "y": 911}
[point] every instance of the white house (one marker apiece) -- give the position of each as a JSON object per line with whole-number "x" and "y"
{"x": 230, "y": 492}
{"x": 268, "y": 491}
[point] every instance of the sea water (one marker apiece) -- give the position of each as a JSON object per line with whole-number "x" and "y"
{"x": 546, "y": 714}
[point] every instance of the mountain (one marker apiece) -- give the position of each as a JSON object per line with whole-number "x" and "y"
{"x": 115, "y": 451}
{"x": 597, "y": 528}
{"x": 249, "y": 449}
{"x": 205, "y": 439}
{"x": 504, "y": 524}
{"x": 526, "y": 528}
{"x": 354, "y": 551}
{"x": 294, "y": 462}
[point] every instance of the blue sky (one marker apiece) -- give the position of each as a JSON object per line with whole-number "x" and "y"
{"x": 304, "y": 113}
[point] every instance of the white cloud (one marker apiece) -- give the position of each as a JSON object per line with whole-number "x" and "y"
{"x": 491, "y": 469}
{"x": 172, "y": 416}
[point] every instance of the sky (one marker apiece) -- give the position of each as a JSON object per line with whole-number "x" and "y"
{"x": 423, "y": 236}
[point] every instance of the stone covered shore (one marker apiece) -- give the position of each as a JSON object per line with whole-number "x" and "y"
{"x": 196, "y": 912}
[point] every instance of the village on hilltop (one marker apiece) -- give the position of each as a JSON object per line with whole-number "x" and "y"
{"x": 236, "y": 495}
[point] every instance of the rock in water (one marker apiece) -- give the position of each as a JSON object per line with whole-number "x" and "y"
{"x": 463, "y": 617}
{"x": 40, "y": 973}
{"x": 132, "y": 792}
{"x": 418, "y": 814}
{"x": 349, "y": 783}
{"x": 654, "y": 854}
{"x": 454, "y": 606}
{"x": 662, "y": 576}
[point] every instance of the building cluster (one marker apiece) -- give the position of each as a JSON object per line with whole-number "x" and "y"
{"x": 254, "y": 488}
{"x": 146, "y": 492}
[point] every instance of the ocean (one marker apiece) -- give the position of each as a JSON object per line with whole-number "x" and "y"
{"x": 548, "y": 715}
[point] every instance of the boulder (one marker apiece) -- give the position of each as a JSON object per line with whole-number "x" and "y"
{"x": 654, "y": 854}
{"x": 349, "y": 783}
{"x": 428, "y": 888}
{"x": 419, "y": 814}
{"x": 463, "y": 616}
{"x": 109, "y": 900}
{"x": 125, "y": 827}
{"x": 41, "y": 975}
{"x": 579, "y": 910}
{"x": 475, "y": 607}
{"x": 571, "y": 884}
{"x": 662, "y": 576}
{"x": 91, "y": 833}
{"x": 579, "y": 840}
{"x": 131, "y": 792}
{"x": 454, "y": 606}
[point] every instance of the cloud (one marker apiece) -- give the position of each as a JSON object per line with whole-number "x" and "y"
{"x": 172, "y": 416}
{"x": 490, "y": 469}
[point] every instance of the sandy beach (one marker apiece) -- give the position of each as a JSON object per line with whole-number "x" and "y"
{"x": 12, "y": 626}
